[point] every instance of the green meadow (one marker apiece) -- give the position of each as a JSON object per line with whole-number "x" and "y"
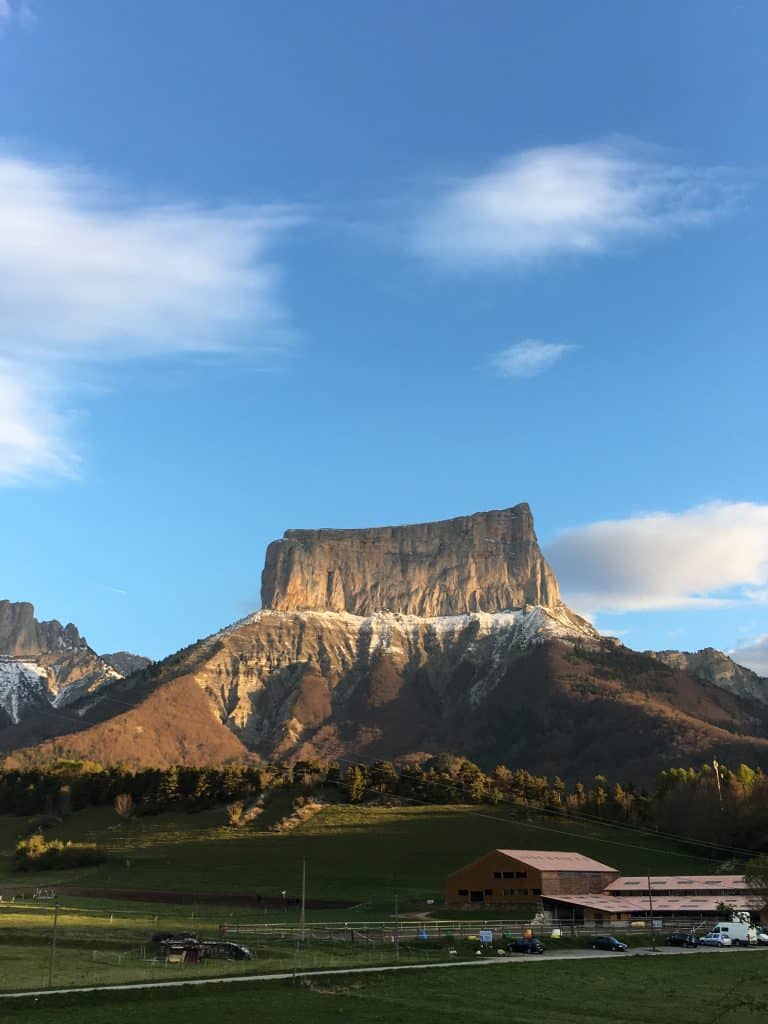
{"x": 729, "y": 988}
{"x": 362, "y": 856}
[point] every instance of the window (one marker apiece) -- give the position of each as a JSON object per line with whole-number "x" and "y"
{"x": 463, "y": 892}
{"x": 489, "y": 892}
{"x": 497, "y": 874}
{"x": 509, "y": 892}
{"x": 509, "y": 874}
{"x": 521, "y": 874}
{"x": 522, "y": 892}
{"x": 535, "y": 892}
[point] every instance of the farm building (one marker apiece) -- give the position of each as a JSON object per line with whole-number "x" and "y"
{"x": 576, "y": 889}
{"x": 513, "y": 877}
{"x": 671, "y": 896}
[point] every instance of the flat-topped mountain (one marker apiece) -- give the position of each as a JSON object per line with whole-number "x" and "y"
{"x": 401, "y": 642}
{"x": 488, "y": 562}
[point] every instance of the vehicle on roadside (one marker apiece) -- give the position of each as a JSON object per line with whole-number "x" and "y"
{"x": 687, "y": 939}
{"x": 608, "y": 942}
{"x": 531, "y": 945}
{"x": 715, "y": 939}
{"x": 222, "y": 950}
{"x": 741, "y": 933}
{"x": 762, "y": 937}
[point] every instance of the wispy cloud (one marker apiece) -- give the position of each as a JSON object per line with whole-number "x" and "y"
{"x": 753, "y": 654}
{"x": 33, "y": 431}
{"x": 707, "y": 556}
{"x": 528, "y": 358}
{"x": 542, "y": 203}
{"x": 16, "y": 11}
{"x": 88, "y": 274}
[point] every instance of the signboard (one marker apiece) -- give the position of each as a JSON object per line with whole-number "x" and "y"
{"x": 657, "y": 923}
{"x": 486, "y": 935}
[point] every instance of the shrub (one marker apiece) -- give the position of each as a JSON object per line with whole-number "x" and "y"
{"x": 124, "y": 805}
{"x": 35, "y": 854}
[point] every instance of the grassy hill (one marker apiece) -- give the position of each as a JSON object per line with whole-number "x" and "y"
{"x": 358, "y": 853}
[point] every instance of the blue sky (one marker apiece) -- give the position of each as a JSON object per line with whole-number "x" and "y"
{"x": 342, "y": 264}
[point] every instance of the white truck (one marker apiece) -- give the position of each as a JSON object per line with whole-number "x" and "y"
{"x": 740, "y": 932}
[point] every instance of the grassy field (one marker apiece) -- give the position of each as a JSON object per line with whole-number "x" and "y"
{"x": 730, "y": 988}
{"x": 360, "y": 854}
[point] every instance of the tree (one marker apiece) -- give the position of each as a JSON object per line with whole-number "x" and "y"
{"x": 756, "y": 874}
{"x": 124, "y": 805}
{"x": 355, "y": 780}
{"x": 383, "y": 776}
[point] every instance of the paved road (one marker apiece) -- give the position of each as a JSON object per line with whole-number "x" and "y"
{"x": 571, "y": 954}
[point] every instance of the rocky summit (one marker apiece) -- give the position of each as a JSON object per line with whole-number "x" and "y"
{"x": 488, "y": 562}
{"x": 45, "y": 665}
{"x": 406, "y": 641}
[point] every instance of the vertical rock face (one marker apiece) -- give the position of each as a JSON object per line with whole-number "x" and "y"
{"x": 487, "y": 562}
{"x": 21, "y": 635}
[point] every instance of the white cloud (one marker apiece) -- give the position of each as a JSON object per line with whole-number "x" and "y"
{"x": 19, "y": 11}
{"x": 528, "y": 358}
{"x": 552, "y": 201}
{"x": 32, "y": 431}
{"x": 754, "y": 655}
{"x": 707, "y": 556}
{"x": 89, "y": 275}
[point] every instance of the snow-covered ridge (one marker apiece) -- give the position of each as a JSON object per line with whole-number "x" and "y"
{"x": 23, "y": 686}
{"x": 532, "y": 624}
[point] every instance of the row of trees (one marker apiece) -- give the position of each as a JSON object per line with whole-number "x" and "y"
{"x": 711, "y": 803}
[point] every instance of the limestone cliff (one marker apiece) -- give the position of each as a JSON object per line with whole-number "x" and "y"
{"x": 22, "y": 635}
{"x": 712, "y": 666}
{"x": 488, "y": 562}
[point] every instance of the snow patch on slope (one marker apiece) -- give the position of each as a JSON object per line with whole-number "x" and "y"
{"x": 23, "y": 686}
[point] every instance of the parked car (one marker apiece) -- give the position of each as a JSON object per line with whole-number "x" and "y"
{"x": 608, "y": 942}
{"x": 682, "y": 939}
{"x": 220, "y": 950}
{"x": 715, "y": 939}
{"x": 762, "y": 937}
{"x": 531, "y": 945}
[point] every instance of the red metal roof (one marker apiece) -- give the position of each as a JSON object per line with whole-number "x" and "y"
{"x": 556, "y": 860}
{"x": 665, "y": 883}
{"x": 635, "y": 905}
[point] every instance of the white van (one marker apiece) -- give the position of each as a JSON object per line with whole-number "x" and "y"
{"x": 741, "y": 933}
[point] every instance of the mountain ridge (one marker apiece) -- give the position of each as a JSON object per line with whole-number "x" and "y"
{"x": 533, "y": 684}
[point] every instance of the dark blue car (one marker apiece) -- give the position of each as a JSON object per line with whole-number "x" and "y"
{"x": 608, "y": 942}
{"x": 531, "y": 945}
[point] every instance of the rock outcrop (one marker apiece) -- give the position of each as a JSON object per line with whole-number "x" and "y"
{"x": 45, "y": 665}
{"x": 488, "y": 562}
{"x": 21, "y": 635}
{"x": 712, "y": 666}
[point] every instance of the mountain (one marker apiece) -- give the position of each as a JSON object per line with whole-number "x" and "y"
{"x": 717, "y": 668}
{"x": 347, "y": 660}
{"x": 45, "y": 665}
{"x": 489, "y": 562}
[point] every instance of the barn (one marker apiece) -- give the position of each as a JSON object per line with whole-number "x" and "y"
{"x": 517, "y": 877}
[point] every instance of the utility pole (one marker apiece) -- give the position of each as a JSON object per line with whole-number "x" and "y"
{"x": 650, "y": 904}
{"x": 397, "y": 930}
{"x": 52, "y": 960}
